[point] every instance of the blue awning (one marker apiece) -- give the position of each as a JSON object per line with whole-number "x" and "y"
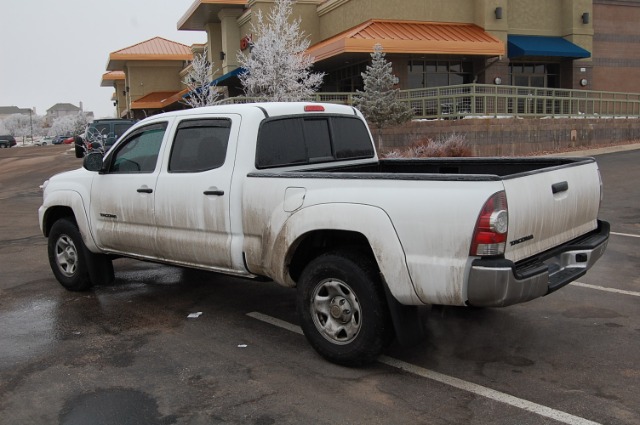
{"x": 230, "y": 74}
{"x": 215, "y": 82}
{"x": 530, "y": 45}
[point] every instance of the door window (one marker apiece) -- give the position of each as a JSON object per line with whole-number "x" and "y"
{"x": 139, "y": 153}
{"x": 199, "y": 145}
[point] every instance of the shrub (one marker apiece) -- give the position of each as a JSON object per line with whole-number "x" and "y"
{"x": 454, "y": 145}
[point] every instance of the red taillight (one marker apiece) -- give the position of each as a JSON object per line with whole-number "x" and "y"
{"x": 313, "y": 108}
{"x": 490, "y": 233}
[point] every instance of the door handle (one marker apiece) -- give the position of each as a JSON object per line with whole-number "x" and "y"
{"x": 214, "y": 192}
{"x": 145, "y": 190}
{"x": 559, "y": 187}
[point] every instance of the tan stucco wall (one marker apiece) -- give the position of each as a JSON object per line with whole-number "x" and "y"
{"x": 349, "y": 13}
{"x": 151, "y": 76}
{"x": 121, "y": 97}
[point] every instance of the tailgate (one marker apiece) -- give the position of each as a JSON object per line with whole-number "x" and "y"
{"x": 550, "y": 207}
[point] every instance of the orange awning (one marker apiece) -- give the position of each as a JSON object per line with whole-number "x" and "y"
{"x": 158, "y": 99}
{"x": 411, "y": 37}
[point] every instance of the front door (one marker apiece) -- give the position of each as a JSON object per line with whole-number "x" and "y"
{"x": 122, "y": 196}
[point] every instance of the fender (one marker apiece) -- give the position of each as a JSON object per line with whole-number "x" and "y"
{"x": 73, "y": 200}
{"x": 372, "y": 222}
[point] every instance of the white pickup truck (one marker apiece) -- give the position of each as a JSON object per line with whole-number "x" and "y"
{"x": 295, "y": 193}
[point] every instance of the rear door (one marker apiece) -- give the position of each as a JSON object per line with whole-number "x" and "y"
{"x": 551, "y": 207}
{"x": 192, "y": 199}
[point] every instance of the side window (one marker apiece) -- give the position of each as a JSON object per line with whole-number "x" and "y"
{"x": 317, "y": 139}
{"x": 139, "y": 153}
{"x": 102, "y": 129}
{"x": 351, "y": 139}
{"x": 199, "y": 145}
{"x": 281, "y": 142}
{"x": 119, "y": 129}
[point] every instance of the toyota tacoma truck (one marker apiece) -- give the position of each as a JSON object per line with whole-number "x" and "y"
{"x": 296, "y": 193}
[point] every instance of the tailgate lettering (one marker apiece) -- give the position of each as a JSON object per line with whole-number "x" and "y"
{"x": 519, "y": 241}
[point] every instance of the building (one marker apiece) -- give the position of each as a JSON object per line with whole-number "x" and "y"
{"x": 6, "y": 111}
{"x": 616, "y": 45}
{"x": 547, "y": 43}
{"x": 62, "y": 110}
{"x": 571, "y": 44}
{"x": 116, "y": 79}
{"x": 147, "y": 77}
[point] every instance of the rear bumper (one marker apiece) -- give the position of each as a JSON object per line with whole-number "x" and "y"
{"x": 500, "y": 282}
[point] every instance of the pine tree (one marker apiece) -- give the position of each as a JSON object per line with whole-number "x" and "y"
{"x": 198, "y": 81}
{"x": 379, "y": 101}
{"x": 277, "y": 68}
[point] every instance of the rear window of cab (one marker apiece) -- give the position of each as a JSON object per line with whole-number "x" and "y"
{"x": 311, "y": 139}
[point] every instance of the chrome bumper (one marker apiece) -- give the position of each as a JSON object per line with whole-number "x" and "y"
{"x": 500, "y": 282}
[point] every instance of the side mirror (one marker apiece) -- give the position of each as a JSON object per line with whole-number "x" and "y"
{"x": 93, "y": 161}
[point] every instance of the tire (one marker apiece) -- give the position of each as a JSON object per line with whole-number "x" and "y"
{"x": 68, "y": 256}
{"x": 342, "y": 308}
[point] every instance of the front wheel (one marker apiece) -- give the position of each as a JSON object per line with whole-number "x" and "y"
{"x": 342, "y": 308}
{"x": 68, "y": 256}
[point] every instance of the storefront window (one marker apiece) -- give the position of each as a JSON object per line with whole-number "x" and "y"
{"x": 438, "y": 73}
{"x": 534, "y": 75}
{"x": 347, "y": 79}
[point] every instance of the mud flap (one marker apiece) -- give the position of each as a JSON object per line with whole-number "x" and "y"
{"x": 100, "y": 268}
{"x": 408, "y": 320}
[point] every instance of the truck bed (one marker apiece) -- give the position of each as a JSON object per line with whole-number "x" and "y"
{"x": 471, "y": 169}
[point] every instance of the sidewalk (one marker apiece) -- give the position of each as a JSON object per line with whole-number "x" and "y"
{"x": 597, "y": 151}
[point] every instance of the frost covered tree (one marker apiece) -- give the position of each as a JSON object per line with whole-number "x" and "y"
{"x": 23, "y": 125}
{"x": 17, "y": 125}
{"x": 277, "y": 68}
{"x": 69, "y": 124}
{"x": 198, "y": 81}
{"x": 379, "y": 101}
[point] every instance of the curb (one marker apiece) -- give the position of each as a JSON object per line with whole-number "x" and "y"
{"x": 598, "y": 151}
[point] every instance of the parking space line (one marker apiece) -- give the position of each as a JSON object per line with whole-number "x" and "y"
{"x": 460, "y": 384}
{"x": 629, "y": 235}
{"x": 605, "y": 289}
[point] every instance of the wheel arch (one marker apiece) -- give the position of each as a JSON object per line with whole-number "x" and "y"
{"x": 69, "y": 205}
{"x": 54, "y": 214}
{"x": 317, "y": 229}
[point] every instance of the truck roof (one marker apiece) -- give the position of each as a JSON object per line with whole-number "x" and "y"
{"x": 271, "y": 109}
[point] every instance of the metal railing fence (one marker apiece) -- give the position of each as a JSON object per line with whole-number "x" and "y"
{"x": 488, "y": 100}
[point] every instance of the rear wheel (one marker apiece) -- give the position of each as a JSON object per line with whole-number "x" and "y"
{"x": 342, "y": 308}
{"x": 68, "y": 256}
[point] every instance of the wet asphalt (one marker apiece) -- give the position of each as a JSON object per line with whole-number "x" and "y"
{"x": 128, "y": 353}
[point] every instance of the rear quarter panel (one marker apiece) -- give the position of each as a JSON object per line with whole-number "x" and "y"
{"x": 428, "y": 231}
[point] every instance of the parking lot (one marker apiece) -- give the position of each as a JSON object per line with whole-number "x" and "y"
{"x": 129, "y": 353}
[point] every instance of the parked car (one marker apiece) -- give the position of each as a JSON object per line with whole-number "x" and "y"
{"x": 69, "y": 140}
{"x": 7, "y": 141}
{"x": 58, "y": 140}
{"x": 107, "y": 131}
{"x": 84, "y": 147}
{"x": 47, "y": 140}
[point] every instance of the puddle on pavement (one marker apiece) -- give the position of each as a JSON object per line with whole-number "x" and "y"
{"x": 113, "y": 406}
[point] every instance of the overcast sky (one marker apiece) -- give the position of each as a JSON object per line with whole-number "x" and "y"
{"x": 55, "y": 51}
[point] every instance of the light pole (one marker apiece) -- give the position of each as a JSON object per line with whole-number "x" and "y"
{"x": 31, "y": 124}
